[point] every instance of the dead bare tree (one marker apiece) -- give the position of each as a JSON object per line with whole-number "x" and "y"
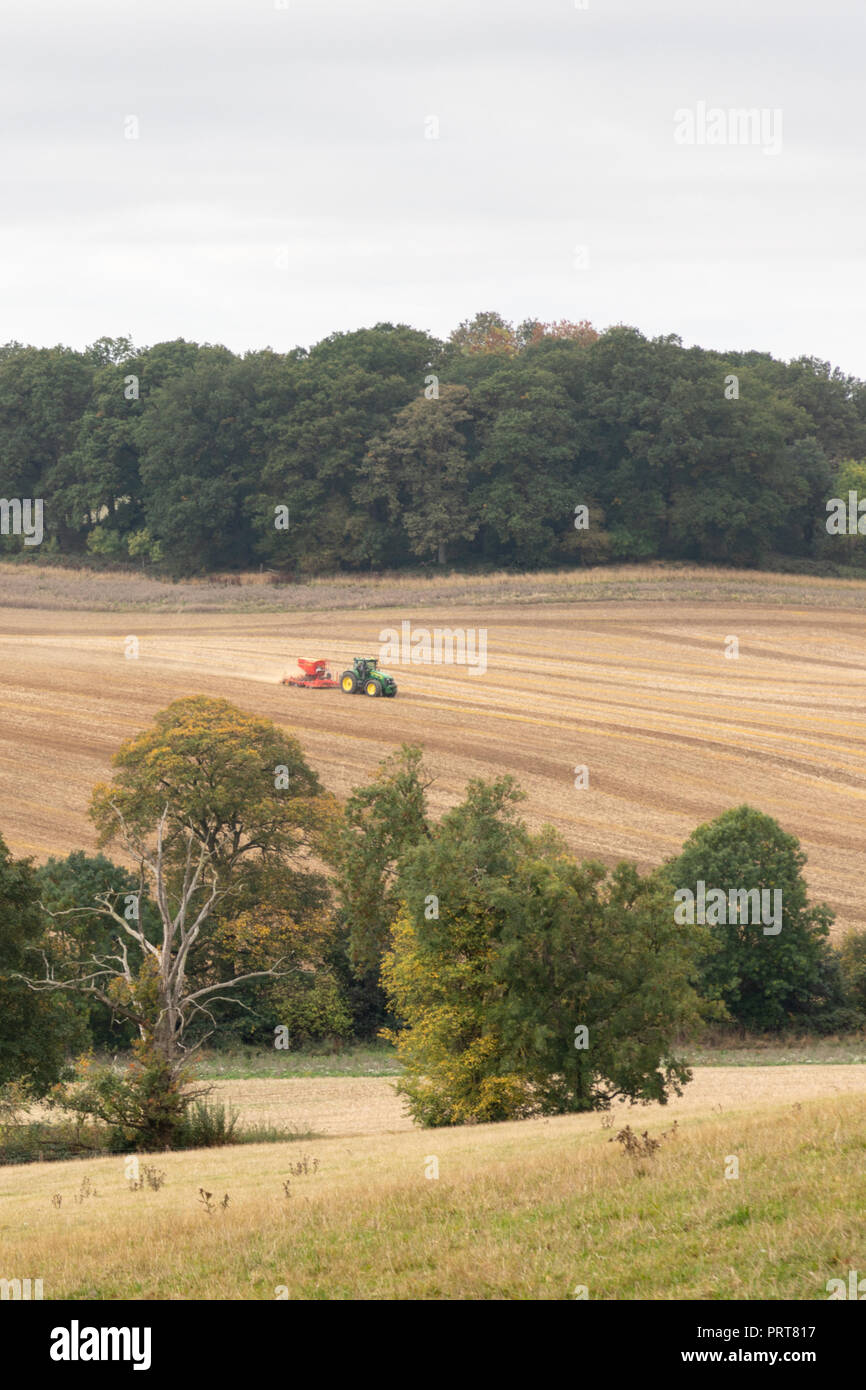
{"x": 184, "y": 908}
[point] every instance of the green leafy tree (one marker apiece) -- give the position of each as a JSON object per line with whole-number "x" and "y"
{"x": 110, "y": 351}
{"x": 834, "y": 401}
{"x": 438, "y": 971}
{"x": 595, "y": 982}
{"x": 537, "y": 985}
{"x": 527, "y": 461}
{"x": 323, "y": 459}
{"x": 766, "y": 979}
{"x": 421, "y": 470}
{"x": 101, "y": 482}
{"x": 35, "y": 1032}
{"x": 200, "y": 450}
{"x": 318, "y": 420}
{"x": 305, "y": 996}
{"x": 69, "y": 890}
{"x": 43, "y": 394}
{"x": 730, "y": 485}
{"x": 380, "y": 822}
{"x": 852, "y": 956}
{"x": 846, "y": 546}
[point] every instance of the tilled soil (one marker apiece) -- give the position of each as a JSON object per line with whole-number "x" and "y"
{"x": 642, "y": 694}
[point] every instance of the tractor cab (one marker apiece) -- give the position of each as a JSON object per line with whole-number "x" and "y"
{"x": 365, "y": 676}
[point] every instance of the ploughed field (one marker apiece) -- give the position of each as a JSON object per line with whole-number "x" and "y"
{"x": 640, "y": 692}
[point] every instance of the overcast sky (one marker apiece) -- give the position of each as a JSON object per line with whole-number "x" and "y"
{"x": 284, "y": 184}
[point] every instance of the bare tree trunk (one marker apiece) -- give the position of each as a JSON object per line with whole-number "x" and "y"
{"x": 182, "y": 923}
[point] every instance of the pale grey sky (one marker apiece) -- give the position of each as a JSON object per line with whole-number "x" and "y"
{"x": 282, "y": 186}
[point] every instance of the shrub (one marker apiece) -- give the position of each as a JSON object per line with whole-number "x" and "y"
{"x": 206, "y": 1126}
{"x": 143, "y": 1107}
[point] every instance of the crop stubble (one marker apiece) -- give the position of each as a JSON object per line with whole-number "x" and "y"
{"x": 671, "y": 730}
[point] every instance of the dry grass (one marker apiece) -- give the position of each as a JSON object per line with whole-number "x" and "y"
{"x": 525, "y": 1210}
{"x": 342, "y": 1105}
{"x": 33, "y": 585}
{"x": 338, "y": 1105}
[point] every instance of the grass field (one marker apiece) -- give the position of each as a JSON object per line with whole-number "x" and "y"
{"x": 380, "y": 1059}
{"x": 531, "y": 1210}
{"x": 635, "y": 686}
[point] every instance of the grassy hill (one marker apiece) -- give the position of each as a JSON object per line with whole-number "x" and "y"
{"x": 531, "y": 1210}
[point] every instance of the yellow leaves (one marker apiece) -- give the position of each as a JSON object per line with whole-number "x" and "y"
{"x": 215, "y": 767}
{"x": 257, "y": 938}
{"x": 118, "y": 990}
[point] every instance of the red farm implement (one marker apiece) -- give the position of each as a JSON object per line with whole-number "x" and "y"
{"x": 316, "y": 676}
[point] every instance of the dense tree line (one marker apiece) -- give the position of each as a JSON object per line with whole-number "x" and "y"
{"x": 388, "y": 447}
{"x": 513, "y": 978}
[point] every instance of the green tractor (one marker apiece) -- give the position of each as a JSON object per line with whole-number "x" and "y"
{"x": 365, "y": 675}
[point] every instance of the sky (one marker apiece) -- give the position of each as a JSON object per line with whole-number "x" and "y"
{"x": 267, "y": 172}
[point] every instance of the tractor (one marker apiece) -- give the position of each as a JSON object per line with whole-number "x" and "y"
{"x": 365, "y": 675}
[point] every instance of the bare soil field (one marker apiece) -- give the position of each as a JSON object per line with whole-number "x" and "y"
{"x": 636, "y": 688}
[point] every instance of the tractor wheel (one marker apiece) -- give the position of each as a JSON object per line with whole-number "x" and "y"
{"x": 392, "y": 691}
{"x": 373, "y": 688}
{"x": 348, "y": 683}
